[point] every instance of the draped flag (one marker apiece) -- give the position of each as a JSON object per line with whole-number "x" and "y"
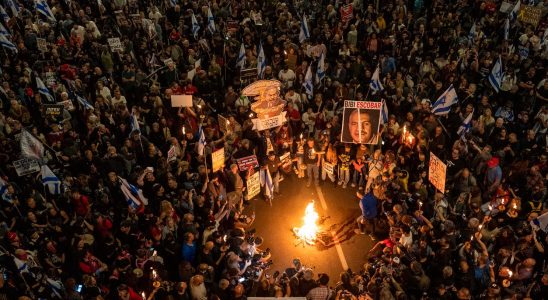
{"x": 13, "y": 6}
{"x": 134, "y": 124}
{"x": 241, "y": 57}
{"x": 304, "y": 34}
{"x": 472, "y": 33}
{"x": 200, "y": 146}
{"x": 4, "y": 31}
{"x": 134, "y": 197}
{"x": 442, "y": 106}
{"x": 495, "y": 78}
{"x": 7, "y": 43}
{"x": 506, "y": 28}
{"x": 375, "y": 83}
{"x": 466, "y": 125}
{"x": 384, "y": 113}
{"x": 515, "y": 11}
{"x": 31, "y": 147}
{"x": 42, "y": 89}
{"x": 266, "y": 181}
{"x": 4, "y": 15}
{"x": 261, "y": 62}
{"x": 210, "y": 21}
{"x": 195, "y": 26}
{"x": 172, "y": 3}
{"x": 320, "y": 71}
{"x": 50, "y": 181}
{"x": 43, "y": 8}
{"x": 85, "y": 104}
{"x": 4, "y": 190}
{"x": 308, "y": 84}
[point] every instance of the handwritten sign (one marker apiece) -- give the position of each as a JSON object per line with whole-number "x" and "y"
{"x": 245, "y": 162}
{"x": 26, "y": 166}
{"x": 218, "y": 159}
{"x": 115, "y": 45}
{"x": 530, "y": 14}
{"x": 253, "y": 185}
{"x": 436, "y": 173}
{"x": 263, "y": 124}
{"x": 329, "y": 168}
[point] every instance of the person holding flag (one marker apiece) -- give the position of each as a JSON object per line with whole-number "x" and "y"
{"x": 50, "y": 181}
{"x": 375, "y": 85}
{"x": 308, "y": 83}
{"x": 43, "y": 90}
{"x": 240, "y": 62}
{"x": 495, "y": 78}
{"x": 261, "y": 62}
{"x": 442, "y": 106}
{"x": 210, "y": 21}
{"x": 195, "y": 26}
{"x": 304, "y": 33}
{"x": 320, "y": 70}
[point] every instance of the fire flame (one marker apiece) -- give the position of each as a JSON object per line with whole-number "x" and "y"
{"x": 309, "y": 229}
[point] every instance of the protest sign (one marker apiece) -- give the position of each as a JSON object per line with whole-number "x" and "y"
{"x": 245, "y": 162}
{"x": 541, "y": 222}
{"x": 171, "y": 154}
{"x": 248, "y": 75}
{"x": 115, "y": 45}
{"x": 181, "y": 100}
{"x": 530, "y": 14}
{"x": 223, "y": 124}
{"x": 436, "y": 172}
{"x": 52, "y": 110}
{"x": 285, "y": 159}
{"x": 361, "y": 122}
{"x": 218, "y": 159}
{"x": 263, "y": 124}
{"x": 26, "y": 166}
{"x": 253, "y": 186}
{"x": 329, "y": 168}
{"x": 42, "y": 45}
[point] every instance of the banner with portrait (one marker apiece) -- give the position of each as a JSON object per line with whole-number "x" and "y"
{"x": 361, "y": 122}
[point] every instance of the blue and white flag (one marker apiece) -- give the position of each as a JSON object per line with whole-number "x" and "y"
{"x": 304, "y": 34}
{"x": 43, "y": 90}
{"x": 7, "y": 43}
{"x": 13, "y": 6}
{"x": 134, "y": 124}
{"x": 50, "y": 181}
{"x": 4, "y": 190}
{"x": 85, "y": 104}
{"x": 515, "y": 11}
{"x": 43, "y": 8}
{"x": 472, "y": 33}
{"x": 241, "y": 57}
{"x": 4, "y": 31}
{"x": 495, "y": 78}
{"x": 30, "y": 146}
{"x": 4, "y": 15}
{"x": 261, "y": 62}
{"x": 134, "y": 197}
{"x": 210, "y": 21}
{"x": 266, "y": 181}
{"x": 466, "y": 125}
{"x": 172, "y": 3}
{"x": 320, "y": 71}
{"x": 375, "y": 83}
{"x": 195, "y": 26}
{"x": 442, "y": 106}
{"x": 308, "y": 84}
{"x": 506, "y": 28}
{"x": 384, "y": 113}
{"x": 200, "y": 146}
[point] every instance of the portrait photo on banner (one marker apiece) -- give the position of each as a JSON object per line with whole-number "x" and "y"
{"x": 361, "y": 122}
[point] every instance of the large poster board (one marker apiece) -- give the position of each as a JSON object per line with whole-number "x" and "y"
{"x": 218, "y": 159}
{"x": 436, "y": 172}
{"x": 253, "y": 185}
{"x": 245, "y": 162}
{"x": 361, "y": 122}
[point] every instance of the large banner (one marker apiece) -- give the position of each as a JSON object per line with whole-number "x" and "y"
{"x": 263, "y": 124}
{"x": 268, "y": 104}
{"x": 361, "y": 122}
{"x": 253, "y": 186}
{"x": 218, "y": 159}
{"x": 436, "y": 172}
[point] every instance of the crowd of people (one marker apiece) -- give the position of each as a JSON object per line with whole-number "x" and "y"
{"x": 130, "y": 208}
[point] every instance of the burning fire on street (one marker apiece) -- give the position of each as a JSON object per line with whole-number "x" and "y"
{"x": 308, "y": 232}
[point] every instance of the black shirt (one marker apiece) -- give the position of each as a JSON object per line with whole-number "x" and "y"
{"x": 310, "y": 154}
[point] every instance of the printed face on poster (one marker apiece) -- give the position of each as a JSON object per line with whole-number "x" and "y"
{"x": 361, "y": 122}
{"x": 436, "y": 172}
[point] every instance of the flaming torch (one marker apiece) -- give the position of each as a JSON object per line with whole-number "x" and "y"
{"x": 307, "y": 232}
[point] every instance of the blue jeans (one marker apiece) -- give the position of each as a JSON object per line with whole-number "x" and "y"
{"x": 358, "y": 178}
{"x": 312, "y": 169}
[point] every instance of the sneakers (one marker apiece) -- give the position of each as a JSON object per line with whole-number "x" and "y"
{"x": 372, "y": 237}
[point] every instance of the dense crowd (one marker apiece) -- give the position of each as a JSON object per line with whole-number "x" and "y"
{"x": 181, "y": 231}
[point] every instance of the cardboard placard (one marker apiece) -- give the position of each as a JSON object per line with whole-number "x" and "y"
{"x": 328, "y": 167}
{"x": 223, "y": 124}
{"x": 361, "y": 122}
{"x": 42, "y": 45}
{"x": 52, "y": 110}
{"x": 436, "y": 172}
{"x": 245, "y": 162}
{"x": 253, "y": 185}
{"x": 248, "y": 75}
{"x": 232, "y": 26}
{"x": 26, "y": 166}
{"x": 171, "y": 154}
{"x": 115, "y": 45}
{"x": 285, "y": 159}
{"x": 181, "y": 100}
{"x": 530, "y": 14}
{"x": 263, "y": 124}
{"x": 218, "y": 160}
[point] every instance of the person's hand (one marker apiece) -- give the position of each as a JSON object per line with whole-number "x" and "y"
{"x": 477, "y": 236}
{"x": 248, "y": 263}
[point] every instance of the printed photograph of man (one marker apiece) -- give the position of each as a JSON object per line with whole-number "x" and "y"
{"x": 360, "y": 126}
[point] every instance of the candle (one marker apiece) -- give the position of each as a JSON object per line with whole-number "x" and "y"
{"x": 515, "y": 206}
{"x": 510, "y": 273}
{"x": 143, "y": 295}
{"x": 251, "y": 115}
{"x": 184, "y": 130}
{"x": 154, "y": 253}
{"x": 301, "y": 136}
{"x": 199, "y": 106}
{"x": 480, "y": 226}
{"x": 154, "y": 275}
{"x": 420, "y": 205}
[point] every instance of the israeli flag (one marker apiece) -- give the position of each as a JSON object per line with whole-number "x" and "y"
{"x": 442, "y": 106}
{"x": 42, "y": 89}
{"x": 134, "y": 197}
{"x": 495, "y": 78}
{"x": 4, "y": 31}
{"x": 466, "y": 125}
{"x": 304, "y": 34}
{"x": 4, "y": 190}
{"x": 4, "y": 15}
{"x": 320, "y": 71}
{"x": 50, "y": 181}
{"x": 384, "y": 113}
{"x": 266, "y": 181}
{"x": 195, "y": 26}
{"x": 13, "y": 6}
{"x": 200, "y": 146}
{"x": 210, "y": 21}
{"x": 515, "y": 11}
{"x": 43, "y": 8}
{"x": 7, "y": 43}
{"x": 241, "y": 57}
{"x": 308, "y": 85}
{"x": 472, "y": 33}
{"x": 544, "y": 37}
{"x": 375, "y": 83}
{"x": 134, "y": 124}
{"x": 261, "y": 62}
{"x": 506, "y": 28}
{"x": 85, "y": 104}
{"x": 172, "y": 3}
{"x": 31, "y": 147}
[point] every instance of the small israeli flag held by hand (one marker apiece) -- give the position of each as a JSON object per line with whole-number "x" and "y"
{"x": 495, "y": 78}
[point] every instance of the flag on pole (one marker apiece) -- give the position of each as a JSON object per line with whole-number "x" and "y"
{"x": 515, "y": 11}
{"x": 4, "y": 15}
{"x": 134, "y": 196}
{"x": 320, "y": 71}
{"x": 266, "y": 181}
{"x": 85, "y": 104}
{"x": 31, "y": 147}
{"x": 466, "y": 125}
{"x": 210, "y": 21}
{"x": 495, "y": 78}
{"x": 442, "y": 106}
{"x": 172, "y": 3}
{"x": 4, "y": 31}
{"x": 261, "y": 62}
{"x": 134, "y": 124}
{"x": 200, "y": 146}
{"x": 384, "y": 113}
{"x": 7, "y": 43}
{"x": 308, "y": 84}
{"x": 50, "y": 181}
{"x": 375, "y": 83}
{"x": 42, "y": 89}
{"x": 506, "y": 28}
{"x": 304, "y": 34}
{"x": 241, "y": 57}
{"x": 13, "y": 6}
{"x": 472, "y": 33}
{"x": 43, "y": 8}
{"x": 195, "y": 26}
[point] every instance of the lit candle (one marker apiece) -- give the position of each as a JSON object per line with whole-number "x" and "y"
{"x": 420, "y": 205}
{"x": 301, "y": 136}
{"x": 480, "y": 226}
{"x": 515, "y": 206}
{"x": 184, "y": 130}
{"x": 199, "y": 106}
{"x": 154, "y": 275}
{"x": 143, "y": 295}
{"x": 510, "y": 273}
{"x": 154, "y": 253}
{"x": 251, "y": 115}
